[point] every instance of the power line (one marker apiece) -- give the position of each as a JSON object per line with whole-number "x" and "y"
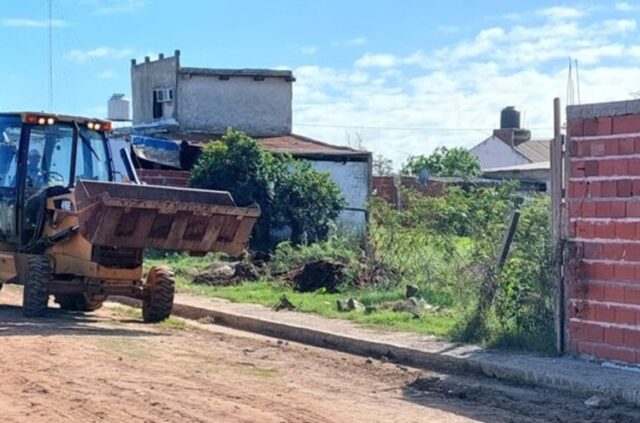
{"x": 50, "y": 4}
{"x": 406, "y": 128}
{"x": 577, "y": 81}
{"x": 395, "y": 128}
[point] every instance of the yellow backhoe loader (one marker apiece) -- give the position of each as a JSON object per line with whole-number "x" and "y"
{"x": 68, "y": 230}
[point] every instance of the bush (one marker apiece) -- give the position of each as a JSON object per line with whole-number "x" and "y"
{"x": 458, "y": 212}
{"x": 444, "y": 161}
{"x": 290, "y": 193}
{"x": 336, "y": 249}
{"x": 307, "y": 201}
{"x": 524, "y": 304}
{"x": 448, "y": 246}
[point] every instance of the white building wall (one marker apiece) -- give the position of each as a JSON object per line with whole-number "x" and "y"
{"x": 353, "y": 180}
{"x": 259, "y": 108}
{"x": 494, "y": 152}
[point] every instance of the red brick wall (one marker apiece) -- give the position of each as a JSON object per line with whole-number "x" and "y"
{"x": 603, "y": 279}
{"x": 171, "y": 178}
{"x": 384, "y": 187}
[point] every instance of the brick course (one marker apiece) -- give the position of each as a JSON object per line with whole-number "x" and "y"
{"x": 603, "y": 196}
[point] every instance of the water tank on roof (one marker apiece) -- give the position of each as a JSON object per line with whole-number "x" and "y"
{"x": 509, "y": 118}
{"x": 118, "y": 108}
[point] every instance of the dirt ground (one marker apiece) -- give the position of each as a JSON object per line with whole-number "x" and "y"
{"x": 107, "y": 366}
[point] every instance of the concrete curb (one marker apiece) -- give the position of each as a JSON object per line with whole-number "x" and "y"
{"x": 576, "y": 377}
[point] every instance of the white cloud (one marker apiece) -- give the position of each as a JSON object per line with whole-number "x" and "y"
{"x": 309, "y": 50}
{"x": 403, "y": 104}
{"x": 481, "y": 44}
{"x": 634, "y": 51}
{"x": 624, "y": 6}
{"x": 32, "y": 23}
{"x": 82, "y": 56}
{"x": 562, "y": 12}
{"x": 531, "y": 45}
{"x": 370, "y": 60}
{"x": 109, "y": 7}
{"x": 357, "y": 41}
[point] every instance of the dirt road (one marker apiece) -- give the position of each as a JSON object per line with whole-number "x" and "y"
{"x": 109, "y": 367}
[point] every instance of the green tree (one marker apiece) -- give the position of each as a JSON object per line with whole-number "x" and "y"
{"x": 444, "y": 161}
{"x": 307, "y": 201}
{"x": 290, "y": 193}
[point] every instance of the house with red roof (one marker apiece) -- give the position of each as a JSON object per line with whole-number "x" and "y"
{"x": 177, "y": 110}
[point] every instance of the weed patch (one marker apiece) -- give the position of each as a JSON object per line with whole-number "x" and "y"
{"x": 445, "y": 247}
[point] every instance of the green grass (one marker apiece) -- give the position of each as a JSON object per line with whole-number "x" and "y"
{"x": 267, "y": 294}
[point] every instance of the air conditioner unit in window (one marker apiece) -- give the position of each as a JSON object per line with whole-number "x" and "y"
{"x": 164, "y": 95}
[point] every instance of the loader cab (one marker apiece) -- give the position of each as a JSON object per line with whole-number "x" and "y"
{"x": 43, "y": 155}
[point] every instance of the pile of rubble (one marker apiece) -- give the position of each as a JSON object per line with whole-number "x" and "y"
{"x": 413, "y": 303}
{"x": 309, "y": 277}
{"x": 230, "y": 273}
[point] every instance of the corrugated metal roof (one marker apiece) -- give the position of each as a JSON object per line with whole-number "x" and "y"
{"x": 546, "y": 165}
{"x": 300, "y": 144}
{"x": 535, "y": 150}
{"x": 292, "y": 144}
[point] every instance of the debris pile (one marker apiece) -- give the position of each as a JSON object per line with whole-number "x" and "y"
{"x": 319, "y": 274}
{"x": 413, "y": 303}
{"x": 229, "y": 273}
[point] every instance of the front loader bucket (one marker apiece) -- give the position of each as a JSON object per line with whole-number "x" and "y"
{"x": 184, "y": 219}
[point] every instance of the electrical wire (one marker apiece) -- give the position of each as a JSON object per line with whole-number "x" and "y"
{"x": 406, "y": 128}
{"x": 50, "y": 4}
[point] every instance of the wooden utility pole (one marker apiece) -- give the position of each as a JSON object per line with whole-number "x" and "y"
{"x": 557, "y": 191}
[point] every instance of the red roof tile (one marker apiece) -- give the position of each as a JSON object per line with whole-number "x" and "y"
{"x": 292, "y": 144}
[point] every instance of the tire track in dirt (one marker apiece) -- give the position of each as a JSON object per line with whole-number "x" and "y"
{"x": 108, "y": 367}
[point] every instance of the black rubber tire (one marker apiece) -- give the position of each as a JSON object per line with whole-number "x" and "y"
{"x": 157, "y": 294}
{"x": 80, "y": 302}
{"x": 35, "y": 293}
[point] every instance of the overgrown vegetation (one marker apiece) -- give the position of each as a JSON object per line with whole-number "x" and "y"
{"x": 444, "y": 161}
{"x": 449, "y": 245}
{"x": 446, "y": 246}
{"x": 291, "y": 194}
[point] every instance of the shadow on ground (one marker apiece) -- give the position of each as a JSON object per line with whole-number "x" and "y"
{"x": 58, "y": 322}
{"x": 487, "y": 400}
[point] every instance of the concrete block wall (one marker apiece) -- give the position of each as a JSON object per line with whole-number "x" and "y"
{"x": 603, "y": 195}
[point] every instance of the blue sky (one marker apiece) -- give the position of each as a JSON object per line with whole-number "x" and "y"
{"x": 398, "y": 77}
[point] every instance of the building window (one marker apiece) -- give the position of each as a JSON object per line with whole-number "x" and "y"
{"x": 164, "y": 95}
{"x": 161, "y": 95}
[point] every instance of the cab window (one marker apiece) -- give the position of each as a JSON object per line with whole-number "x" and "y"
{"x": 91, "y": 156}
{"x": 10, "y": 128}
{"x": 49, "y": 156}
